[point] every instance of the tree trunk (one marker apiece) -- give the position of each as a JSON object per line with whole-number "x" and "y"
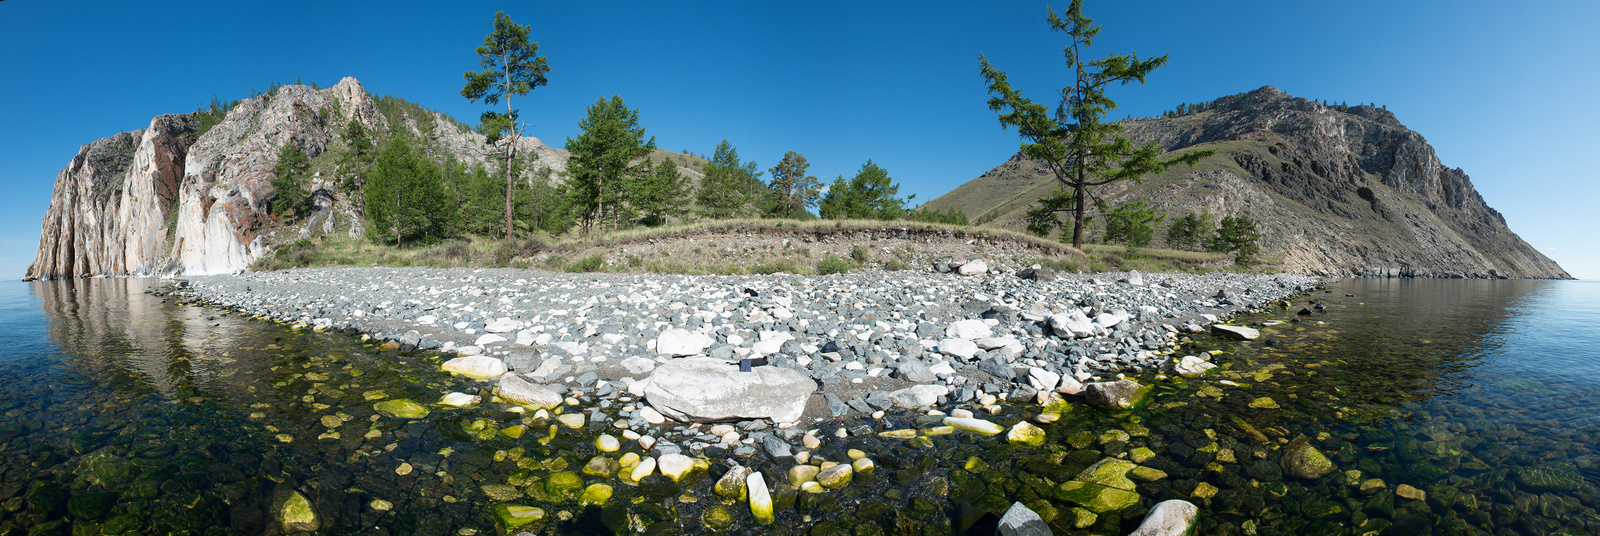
{"x": 1077, "y": 211}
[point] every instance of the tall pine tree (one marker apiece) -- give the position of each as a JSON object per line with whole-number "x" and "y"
{"x": 512, "y": 66}
{"x": 607, "y": 158}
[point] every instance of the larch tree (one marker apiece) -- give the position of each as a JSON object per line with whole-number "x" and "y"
{"x": 1079, "y": 147}
{"x": 512, "y": 66}
{"x": 607, "y": 157}
{"x": 728, "y": 183}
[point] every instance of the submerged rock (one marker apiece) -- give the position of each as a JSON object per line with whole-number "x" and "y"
{"x": 1174, "y": 517}
{"x": 1022, "y": 521}
{"x": 518, "y": 389}
{"x": 401, "y": 408}
{"x": 1120, "y": 394}
{"x": 293, "y": 511}
{"x": 760, "y": 499}
{"x": 1235, "y": 332}
{"x": 511, "y": 517}
{"x": 1301, "y": 460}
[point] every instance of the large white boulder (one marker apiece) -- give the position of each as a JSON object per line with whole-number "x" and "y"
{"x": 1174, "y": 517}
{"x": 1192, "y": 367}
{"x": 917, "y": 396}
{"x": 523, "y": 392}
{"x": 1071, "y": 324}
{"x": 702, "y": 389}
{"x": 961, "y": 348}
{"x": 970, "y": 329}
{"x": 476, "y": 366}
{"x": 503, "y": 325}
{"x": 973, "y": 267}
{"x": 681, "y": 342}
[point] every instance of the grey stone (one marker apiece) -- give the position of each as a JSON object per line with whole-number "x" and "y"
{"x": 709, "y": 390}
{"x": 1022, "y": 521}
{"x": 1174, "y": 517}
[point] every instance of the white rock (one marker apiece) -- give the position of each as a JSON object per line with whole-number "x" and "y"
{"x": 1174, "y": 517}
{"x": 970, "y": 329}
{"x": 708, "y": 390}
{"x": 520, "y": 391}
{"x": 766, "y": 347}
{"x": 460, "y": 399}
{"x": 917, "y": 396}
{"x": 639, "y": 365}
{"x": 645, "y": 467}
{"x": 681, "y": 342}
{"x": 1069, "y": 385}
{"x": 974, "y": 425}
{"x": 1107, "y": 320}
{"x": 469, "y": 350}
{"x": 781, "y": 313}
{"x": 487, "y": 339}
{"x": 650, "y": 415}
{"x": 961, "y": 348}
{"x": 1071, "y": 324}
{"x": 991, "y": 343}
{"x": 1192, "y": 367}
{"x": 1235, "y": 332}
{"x": 503, "y": 325}
{"x": 476, "y": 366}
{"x": 1043, "y": 379}
{"x": 675, "y": 466}
{"x": 942, "y": 368}
{"x": 427, "y": 319}
{"x": 973, "y": 267}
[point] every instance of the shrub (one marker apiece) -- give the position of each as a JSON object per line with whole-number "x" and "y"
{"x": 896, "y": 265}
{"x": 833, "y": 264}
{"x": 592, "y": 263}
{"x": 858, "y": 252}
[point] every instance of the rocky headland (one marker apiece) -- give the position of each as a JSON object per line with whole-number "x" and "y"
{"x": 1335, "y": 190}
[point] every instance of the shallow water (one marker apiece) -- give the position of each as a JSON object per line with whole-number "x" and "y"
{"x": 124, "y": 413}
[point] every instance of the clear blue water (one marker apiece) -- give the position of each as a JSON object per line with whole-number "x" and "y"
{"x": 122, "y": 413}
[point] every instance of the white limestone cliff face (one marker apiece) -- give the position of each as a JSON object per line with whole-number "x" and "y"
{"x": 163, "y": 201}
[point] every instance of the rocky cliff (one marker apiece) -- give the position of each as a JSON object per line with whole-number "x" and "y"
{"x": 1335, "y": 190}
{"x": 169, "y": 199}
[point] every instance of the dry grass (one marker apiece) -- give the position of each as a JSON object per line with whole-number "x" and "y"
{"x": 750, "y": 246}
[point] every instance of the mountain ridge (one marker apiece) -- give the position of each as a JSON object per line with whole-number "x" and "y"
{"x": 1337, "y": 191}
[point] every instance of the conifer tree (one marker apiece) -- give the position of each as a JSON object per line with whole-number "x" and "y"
{"x": 290, "y": 199}
{"x": 607, "y": 157}
{"x": 661, "y": 193}
{"x": 512, "y": 67}
{"x": 870, "y": 194}
{"x": 406, "y": 200}
{"x": 1077, "y": 145}
{"x": 729, "y": 183}
{"x": 794, "y": 188}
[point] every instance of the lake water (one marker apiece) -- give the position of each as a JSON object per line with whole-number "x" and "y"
{"x": 1446, "y": 407}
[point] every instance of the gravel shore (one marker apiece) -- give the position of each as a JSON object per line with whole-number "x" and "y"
{"x": 860, "y": 335}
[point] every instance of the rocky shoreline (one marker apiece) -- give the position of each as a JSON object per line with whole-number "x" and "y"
{"x": 838, "y": 355}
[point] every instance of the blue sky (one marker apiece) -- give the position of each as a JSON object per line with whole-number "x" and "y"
{"x": 1507, "y": 94}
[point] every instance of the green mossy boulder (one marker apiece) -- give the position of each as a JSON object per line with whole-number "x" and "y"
{"x": 511, "y": 518}
{"x": 401, "y": 408}
{"x": 1301, "y": 460}
{"x": 1095, "y": 497}
{"x": 92, "y": 506}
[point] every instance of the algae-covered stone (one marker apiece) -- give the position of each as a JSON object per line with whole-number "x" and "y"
{"x": 801, "y": 474}
{"x": 760, "y": 499}
{"x": 1174, "y": 517}
{"x": 1372, "y": 485}
{"x": 1265, "y": 402}
{"x": 1555, "y": 476}
{"x": 835, "y": 477}
{"x": 1204, "y": 490}
{"x": 595, "y": 495}
{"x": 1110, "y": 472}
{"x": 717, "y": 518}
{"x": 1025, "y": 433}
{"x": 1301, "y": 460}
{"x": 601, "y": 466}
{"x": 646, "y": 467}
{"x": 106, "y": 470}
{"x": 401, "y": 408}
{"x": 380, "y": 505}
{"x": 1141, "y": 454}
{"x": 974, "y": 425}
{"x": 294, "y": 511}
{"x": 501, "y": 492}
{"x": 1083, "y": 518}
{"x": 976, "y": 465}
{"x": 460, "y": 399}
{"x": 91, "y": 506}
{"x": 1117, "y": 395}
{"x": 1147, "y": 474}
{"x": 1405, "y": 491}
{"x": 512, "y": 517}
{"x": 563, "y": 486}
{"x": 732, "y": 485}
{"x": 1096, "y": 497}
{"x": 864, "y": 465}
{"x": 477, "y": 366}
{"x": 898, "y": 434}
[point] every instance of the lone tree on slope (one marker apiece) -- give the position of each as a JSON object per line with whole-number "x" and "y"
{"x": 512, "y": 66}
{"x": 1079, "y": 147}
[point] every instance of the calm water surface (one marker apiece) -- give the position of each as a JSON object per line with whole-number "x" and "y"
{"x": 1447, "y": 407}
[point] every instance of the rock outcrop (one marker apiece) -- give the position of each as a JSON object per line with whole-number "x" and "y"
{"x": 1335, "y": 190}
{"x": 169, "y": 199}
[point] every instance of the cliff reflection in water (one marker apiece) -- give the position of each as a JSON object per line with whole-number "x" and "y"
{"x": 109, "y": 324}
